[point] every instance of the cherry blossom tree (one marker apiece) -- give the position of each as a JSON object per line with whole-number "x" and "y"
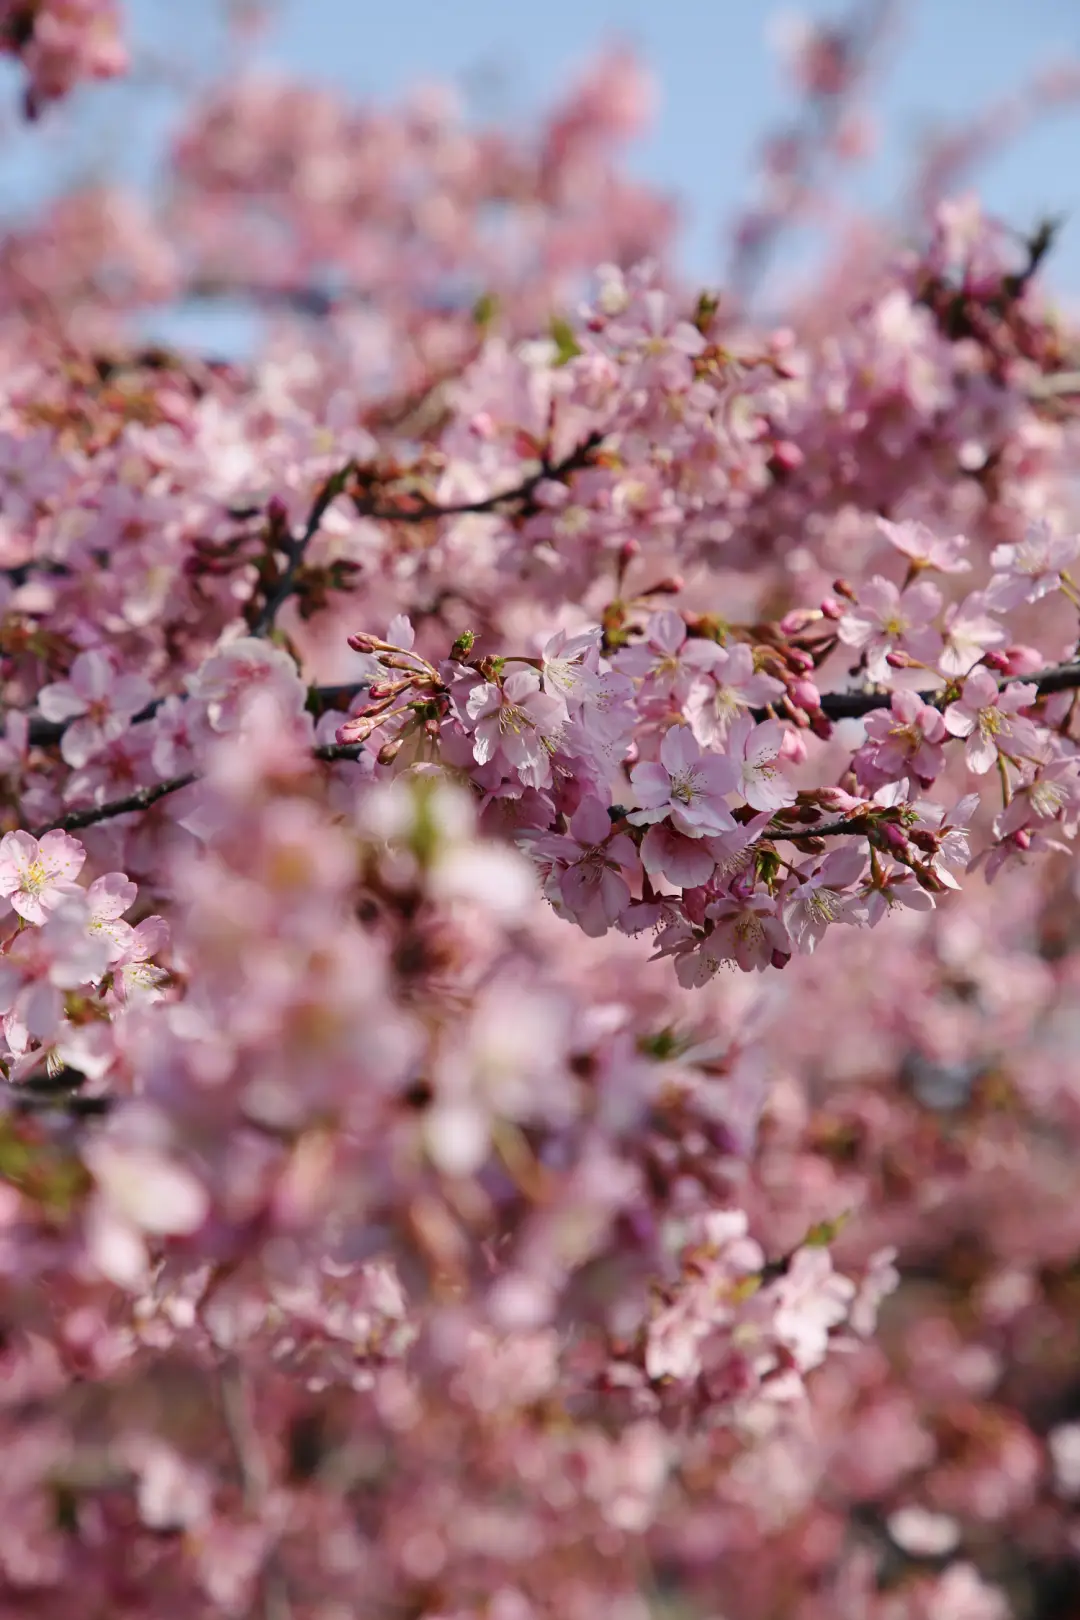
{"x": 540, "y": 920}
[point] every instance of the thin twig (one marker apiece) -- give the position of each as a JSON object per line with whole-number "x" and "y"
{"x": 296, "y": 550}
{"x": 147, "y": 796}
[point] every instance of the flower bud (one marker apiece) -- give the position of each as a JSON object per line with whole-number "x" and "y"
{"x": 842, "y": 588}
{"x": 787, "y": 456}
{"x": 799, "y": 619}
{"x": 1020, "y": 660}
{"x": 666, "y": 587}
{"x": 898, "y": 660}
{"x": 1022, "y": 838}
{"x": 831, "y": 608}
{"x": 806, "y": 694}
{"x": 894, "y": 835}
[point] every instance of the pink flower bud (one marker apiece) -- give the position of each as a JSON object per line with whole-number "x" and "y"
{"x": 1022, "y": 838}
{"x": 798, "y": 619}
{"x": 628, "y": 551}
{"x": 1021, "y": 660}
{"x": 831, "y": 608}
{"x": 806, "y": 694}
{"x": 787, "y": 455}
{"x": 898, "y": 660}
{"x": 842, "y": 588}
{"x": 894, "y": 835}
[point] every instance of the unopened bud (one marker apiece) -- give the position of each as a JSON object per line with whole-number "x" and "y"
{"x": 894, "y": 835}
{"x": 628, "y": 551}
{"x": 1022, "y": 661}
{"x": 780, "y": 959}
{"x": 787, "y": 456}
{"x": 355, "y": 731}
{"x": 363, "y": 643}
{"x": 806, "y": 694}
{"x": 277, "y": 512}
{"x": 798, "y": 619}
{"x": 1022, "y": 838}
{"x": 898, "y": 660}
{"x": 389, "y": 751}
{"x": 996, "y": 660}
{"x": 666, "y": 587}
{"x": 831, "y": 608}
{"x": 842, "y": 588}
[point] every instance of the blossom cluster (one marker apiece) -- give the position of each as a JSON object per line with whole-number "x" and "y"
{"x": 399, "y": 1206}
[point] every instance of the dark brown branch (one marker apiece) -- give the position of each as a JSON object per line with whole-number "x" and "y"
{"x": 853, "y": 705}
{"x": 142, "y": 800}
{"x": 147, "y": 796}
{"x": 296, "y": 549}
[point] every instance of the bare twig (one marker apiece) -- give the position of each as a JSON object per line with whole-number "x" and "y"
{"x": 147, "y": 796}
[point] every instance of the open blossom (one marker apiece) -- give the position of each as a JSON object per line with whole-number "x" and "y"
{"x": 36, "y": 876}
{"x": 899, "y": 890}
{"x": 926, "y": 549}
{"x": 1052, "y": 794}
{"x": 135, "y": 974}
{"x": 589, "y": 869}
{"x": 725, "y": 685}
{"x": 952, "y": 852}
{"x": 1033, "y": 568}
{"x": 969, "y": 633}
{"x": 988, "y": 717}
{"x": 887, "y": 620}
{"x": 809, "y": 1300}
{"x": 571, "y": 664}
{"x": 97, "y": 702}
{"x": 815, "y": 901}
{"x": 903, "y": 740}
{"x": 516, "y": 722}
{"x": 747, "y": 931}
{"x": 686, "y": 787}
{"x": 756, "y": 752}
{"x": 658, "y": 661}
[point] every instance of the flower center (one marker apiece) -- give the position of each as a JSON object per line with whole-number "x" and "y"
{"x": 36, "y": 877}
{"x": 684, "y": 788}
{"x": 1047, "y": 798}
{"x": 823, "y": 905}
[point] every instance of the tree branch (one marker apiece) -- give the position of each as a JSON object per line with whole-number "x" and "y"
{"x": 147, "y": 796}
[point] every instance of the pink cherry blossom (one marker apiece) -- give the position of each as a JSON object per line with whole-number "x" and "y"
{"x": 728, "y": 684}
{"x": 969, "y": 632}
{"x": 756, "y": 752}
{"x": 36, "y": 876}
{"x": 988, "y": 717}
{"x": 904, "y": 740}
{"x": 589, "y": 869}
{"x": 97, "y": 701}
{"x": 1031, "y": 569}
{"x": 515, "y": 721}
{"x": 887, "y": 620}
{"x": 925, "y": 548}
{"x": 687, "y": 787}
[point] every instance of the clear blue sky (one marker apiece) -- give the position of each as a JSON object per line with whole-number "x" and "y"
{"x": 720, "y": 88}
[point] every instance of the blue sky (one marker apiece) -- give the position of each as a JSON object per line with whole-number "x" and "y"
{"x": 720, "y": 89}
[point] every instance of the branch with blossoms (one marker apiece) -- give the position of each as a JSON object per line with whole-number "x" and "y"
{"x": 362, "y": 485}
